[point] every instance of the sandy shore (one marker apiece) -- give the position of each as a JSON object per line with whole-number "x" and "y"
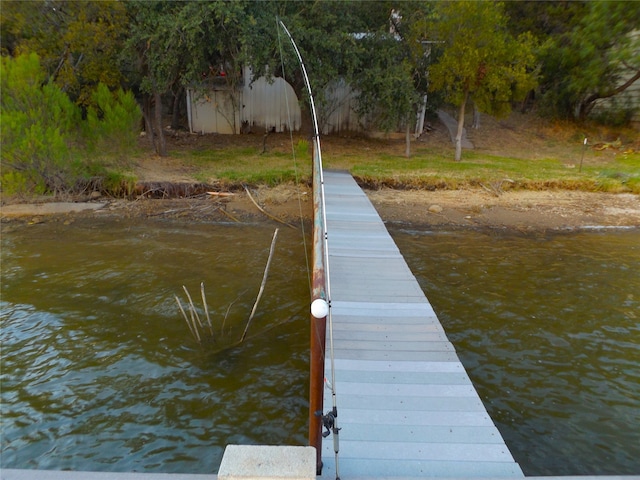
{"x": 522, "y": 210}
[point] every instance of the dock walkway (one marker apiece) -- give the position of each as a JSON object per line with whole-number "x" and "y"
{"x": 406, "y": 406}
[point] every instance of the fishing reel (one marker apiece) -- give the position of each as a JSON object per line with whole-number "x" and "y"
{"x": 328, "y": 422}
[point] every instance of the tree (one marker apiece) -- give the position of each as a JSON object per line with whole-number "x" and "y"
{"x": 350, "y": 42}
{"x": 324, "y": 33}
{"x": 112, "y": 124}
{"x": 392, "y": 79}
{"x": 38, "y": 128}
{"x": 480, "y": 60}
{"x": 77, "y": 41}
{"x": 386, "y": 91}
{"x": 596, "y": 57}
{"x": 176, "y": 44}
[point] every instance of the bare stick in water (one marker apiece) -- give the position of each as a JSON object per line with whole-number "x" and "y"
{"x": 192, "y": 309}
{"x": 264, "y": 281}
{"x": 195, "y": 333}
{"x": 224, "y": 320}
{"x": 206, "y": 308}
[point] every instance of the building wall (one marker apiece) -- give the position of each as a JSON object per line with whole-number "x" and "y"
{"x": 213, "y": 111}
{"x": 339, "y": 114}
{"x": 257, "y": 106}
{"x": 273, "y": 106}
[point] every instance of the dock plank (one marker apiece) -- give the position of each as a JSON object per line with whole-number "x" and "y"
{"x": 406, "y": 406}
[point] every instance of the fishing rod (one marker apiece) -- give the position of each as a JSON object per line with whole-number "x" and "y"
{"x": 321, "y": 308}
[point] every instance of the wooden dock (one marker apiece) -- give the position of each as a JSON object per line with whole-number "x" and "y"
{"x": 406, "y": 406}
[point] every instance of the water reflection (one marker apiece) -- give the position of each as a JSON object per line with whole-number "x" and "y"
{"x": 549, "y": 329}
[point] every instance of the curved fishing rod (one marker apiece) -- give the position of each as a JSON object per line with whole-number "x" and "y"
{"x": 321, "y": 308}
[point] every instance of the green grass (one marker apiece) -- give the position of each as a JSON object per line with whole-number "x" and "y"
{"x": 426, "y": 169}
{"x": 248, "y": 165}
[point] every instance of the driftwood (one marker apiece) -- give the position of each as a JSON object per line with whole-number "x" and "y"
{"x": 221, "y": 194}
{"x": 224, "y": 320}
{"x": 206, "y": 308}
{"x": 229, "y": 215}
{"x": 170, "y": 189}
{"x": 271, "y": 326}
{"x": 496, "y": 187}
{"x": 265, "y": 212}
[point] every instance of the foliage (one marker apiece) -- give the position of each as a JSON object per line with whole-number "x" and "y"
{"x": 99, "y": 177}
{"x": 590, "y": 51}
{"x": 341, "y": 42}
{"x": 77, "y": 41}
{"x": 176, "y": 44}
{"x": 38, "y": 128}
{"x": 323, "y": 32}
{"x": 389, "y": 51}
{"x": 386, "y": 96}
{"x": 480, "y": 60}
{"x": 112, "y": 124}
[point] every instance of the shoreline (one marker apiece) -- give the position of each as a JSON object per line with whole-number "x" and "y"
{"x": 471, "y": 208}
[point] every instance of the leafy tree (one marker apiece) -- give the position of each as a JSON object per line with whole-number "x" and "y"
{"x": 596, "y": 57}
{"x": 38, "y": 128}
{"x": 351, "y": 42}
{"x": 77, "y": 41}
{"x": 480, "y": 60}
{"x": 544, "y": 18}
{"x": 387, "y": 93}
{"x": 323, "y": 32}
{"x": 175, "y": 44}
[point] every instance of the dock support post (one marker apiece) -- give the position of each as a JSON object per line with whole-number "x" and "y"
{"x": 318, "y": 325}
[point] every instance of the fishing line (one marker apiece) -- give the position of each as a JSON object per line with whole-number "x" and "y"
{"x": 295, "y": 162}
{"x": 319, "y": 341}
{"x": 330, "y": 419}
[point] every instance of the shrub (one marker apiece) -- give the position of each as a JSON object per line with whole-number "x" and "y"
{"x": 37, "y": 124}
{"x": 113, "y": 123}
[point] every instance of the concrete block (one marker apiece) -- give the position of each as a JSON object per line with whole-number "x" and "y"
{"x": 265, "y": 462}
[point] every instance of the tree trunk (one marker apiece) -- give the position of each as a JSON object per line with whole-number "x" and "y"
{"x": 148, "y": 121}
{"x": 161, "y": 146}
{"x": 407, "y": 150}
{"x": 586, "y": 105}
{"x": 422, "y": 111}
{"x": 176, "y": 111}
{"x": 476, "y": 116}
{"x": 460, "y": 127}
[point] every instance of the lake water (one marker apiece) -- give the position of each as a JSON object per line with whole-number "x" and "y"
{"x": 548, "y": 328}
{"x": 100, "y": 371}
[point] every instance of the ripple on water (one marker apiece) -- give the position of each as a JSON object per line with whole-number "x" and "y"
{"x": 547, "y": 327}
{"x": 99, "y": 370}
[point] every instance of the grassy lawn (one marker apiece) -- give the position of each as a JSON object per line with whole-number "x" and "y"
{"x": 522, "y": 151}
{"x": 428, "y": 168}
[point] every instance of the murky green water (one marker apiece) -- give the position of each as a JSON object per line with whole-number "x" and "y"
{"x": 99, "y": 370}
{"x": 548, "y": 328}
